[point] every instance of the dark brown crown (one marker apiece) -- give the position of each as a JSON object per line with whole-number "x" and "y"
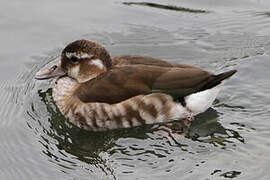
{"x": 90, "y": 47}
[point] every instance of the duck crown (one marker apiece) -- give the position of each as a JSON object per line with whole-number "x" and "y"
{"x": 82, "y": 49}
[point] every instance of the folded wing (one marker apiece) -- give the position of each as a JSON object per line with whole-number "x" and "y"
{"x": 137, "y": 75}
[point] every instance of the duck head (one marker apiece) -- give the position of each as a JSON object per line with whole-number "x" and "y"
{"x": 81, "y": 60}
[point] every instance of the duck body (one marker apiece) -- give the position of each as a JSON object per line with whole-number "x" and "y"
{"x": 135, "y": 111}
{"x": 97, "y": 93}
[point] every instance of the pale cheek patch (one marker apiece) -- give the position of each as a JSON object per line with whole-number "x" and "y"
{"x": 98, "y": 63}
{"x": 74, "y": 71}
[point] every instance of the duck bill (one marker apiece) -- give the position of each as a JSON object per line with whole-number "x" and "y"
{"x": 54, "y": 71}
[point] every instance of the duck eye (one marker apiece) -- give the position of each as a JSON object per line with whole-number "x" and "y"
{"x": 74, "y": 59}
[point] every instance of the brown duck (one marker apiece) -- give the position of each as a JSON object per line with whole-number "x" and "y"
{"x": 98, "y": 93}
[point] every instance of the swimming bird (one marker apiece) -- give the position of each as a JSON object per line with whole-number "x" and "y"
{"x": 98, "y": 93}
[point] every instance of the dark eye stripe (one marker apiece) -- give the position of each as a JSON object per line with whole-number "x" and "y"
{"x": 74, "y": 59}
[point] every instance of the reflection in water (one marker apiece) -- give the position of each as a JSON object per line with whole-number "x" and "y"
{"x": 216, "y": 134}
{"x": 71, "y": 147}
{"x": 167, "y": 7}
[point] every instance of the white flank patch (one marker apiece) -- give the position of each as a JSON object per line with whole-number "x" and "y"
{"x": 98, "y": 63}
{"x": 201, "y": 101}
{"x": 79, "y": 55}
{"x": 177, "y": 111}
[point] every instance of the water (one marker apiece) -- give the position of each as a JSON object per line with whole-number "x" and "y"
{"x": 231, "y": 140}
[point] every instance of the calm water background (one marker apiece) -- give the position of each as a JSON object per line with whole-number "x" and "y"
{"x": 232, "y": 140}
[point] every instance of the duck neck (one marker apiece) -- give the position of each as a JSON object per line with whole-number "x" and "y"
{"x": 64, "y": 97}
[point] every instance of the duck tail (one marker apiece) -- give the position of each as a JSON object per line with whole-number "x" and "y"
{"x": 215, "y": 80}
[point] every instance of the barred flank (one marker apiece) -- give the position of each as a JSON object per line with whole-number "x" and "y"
{"x": 136, "y": 111}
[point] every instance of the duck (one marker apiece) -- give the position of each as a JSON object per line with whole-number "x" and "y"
{"x": 99, "y": 93}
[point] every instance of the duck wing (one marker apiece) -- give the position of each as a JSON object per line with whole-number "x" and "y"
{"x": 146, "y": 60}
{"x": 126, "y": 81}
{"x": 180, "y": 83}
